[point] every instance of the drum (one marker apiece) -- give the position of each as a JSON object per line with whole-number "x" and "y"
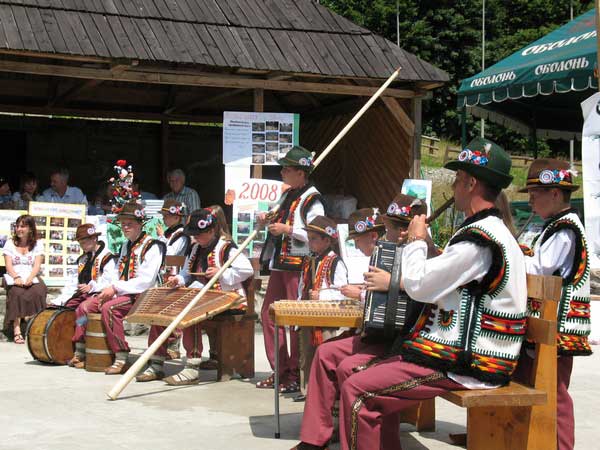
{"x": 49, "y": 335}
{"x": 98, "y": 355}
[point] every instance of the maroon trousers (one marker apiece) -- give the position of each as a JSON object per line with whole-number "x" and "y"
{"x": 370, "y": 399}
{"x": 565, "y": 416}
{"x": 113, "y": 311}
{"x": 74, "y": 302}
{"x": 282, "y": 285}
{"x": 192, "y": 340}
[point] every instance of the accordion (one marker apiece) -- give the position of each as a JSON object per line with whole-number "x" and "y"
{"x": 390, "y": 313}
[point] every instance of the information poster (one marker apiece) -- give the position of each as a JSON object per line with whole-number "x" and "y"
{"x": 252, "y": 196}
{"x": 258, "y": 138}
{"x": 56, "y": 224}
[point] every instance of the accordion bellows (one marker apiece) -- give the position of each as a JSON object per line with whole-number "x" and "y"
{"x": 159, "y": 306}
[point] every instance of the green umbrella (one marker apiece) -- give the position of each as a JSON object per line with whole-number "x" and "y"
{"x": 541, "y": 86}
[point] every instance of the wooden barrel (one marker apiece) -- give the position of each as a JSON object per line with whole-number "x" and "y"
{"x": 49, "y": 335}
{"x": 98, "y": 355}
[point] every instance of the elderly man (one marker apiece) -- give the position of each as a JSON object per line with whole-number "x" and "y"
{"x": 60, "y": 192}
{"x": 180, "y": 192}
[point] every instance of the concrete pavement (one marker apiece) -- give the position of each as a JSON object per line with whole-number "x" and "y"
{"x": 46, "y": 407}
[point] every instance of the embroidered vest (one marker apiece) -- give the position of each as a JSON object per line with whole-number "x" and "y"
{"x": 323, "y": 277}
{"x": 130, "y": 261}
{"x": 215, "y": 258}
{"x": 174, "y": 235}
{"x": 574, "y": 323}
{"x": 99, "y": 260}
{"x": 478, "y": 329}
{"x": 289, "y": 252}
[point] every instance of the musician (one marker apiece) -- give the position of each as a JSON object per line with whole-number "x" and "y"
{"x": 173, "y": 213}
{"x": 561, "y": 249}
{"x": 95, "y": 261}
{"x": 323, "y": 273}
{"x": 285, "y": 246}
{"x": 365, "y": 226}
{"x": 90, "y": 267}
{"x": 136, "y": 270}
{"x": 211, "y": 249}
{"x": 482, "y": 269}
{"x": 178, "y": 244}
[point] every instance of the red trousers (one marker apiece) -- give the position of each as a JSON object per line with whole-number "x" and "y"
{"x": 370, "y": 399}
{"x": 192, "y": 340}
{"x": 113, "y": 311}
{"x": 74, "y": 302}
{"x": 565, "y": 417}
{"x": 282, "y": 285}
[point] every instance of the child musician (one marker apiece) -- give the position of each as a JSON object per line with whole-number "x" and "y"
{"x": 211, "y": 249}
{"x": 323, "y": 274}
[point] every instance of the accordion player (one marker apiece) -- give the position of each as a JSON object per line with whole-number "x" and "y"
{"x": 390, "y": 313}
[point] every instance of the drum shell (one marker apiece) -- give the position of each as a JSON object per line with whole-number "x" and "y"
{"x": 49, "y": 336}
{"x": 98, "y": 355}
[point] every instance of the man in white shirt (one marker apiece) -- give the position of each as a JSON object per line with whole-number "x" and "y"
{"x": 60, "y": 192}
{"x": 182, "y": 193}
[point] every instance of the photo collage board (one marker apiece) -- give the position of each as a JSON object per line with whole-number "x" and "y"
{"x": 258, "y": 138}
{"x": 56, "y": 224}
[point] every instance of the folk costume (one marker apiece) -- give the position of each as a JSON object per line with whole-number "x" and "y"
{"x": 283, "y": 256}
{"x": 90, "y": 269}
{"x": 561, "y": 249}
{"x": 135, "y": 271}
{"x": 468, "y": 336}
{"x": 177, "y": 242}
{"x": 327, "y": 273}
{"x": 198, "y": 261}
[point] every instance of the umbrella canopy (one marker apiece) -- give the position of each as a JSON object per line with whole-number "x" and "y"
{"x": 540, "y": 86}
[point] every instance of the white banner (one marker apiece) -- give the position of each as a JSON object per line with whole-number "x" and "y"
{"x": 590, "y": 163}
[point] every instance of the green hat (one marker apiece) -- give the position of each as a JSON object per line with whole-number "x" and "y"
{"x": 298, "y": 157}
{"x": 486, "y": 161}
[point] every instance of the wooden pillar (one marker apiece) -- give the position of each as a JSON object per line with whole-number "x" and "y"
{"x": 164, "y": 154}
{"x": 259, "y": 106}
{"x": 417, "y": 109}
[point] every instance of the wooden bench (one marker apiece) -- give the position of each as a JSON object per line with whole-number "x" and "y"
{"x": 234, "y": 333}
{"x": 517, "y": 416}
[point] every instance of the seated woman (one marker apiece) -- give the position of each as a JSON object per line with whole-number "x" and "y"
{"x": 26, "y": 292}
{"x": 28, "y": 191}
{"x": 211, "y": 249}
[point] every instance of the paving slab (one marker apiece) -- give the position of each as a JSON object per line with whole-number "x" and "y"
{"x": 44, "y": 407}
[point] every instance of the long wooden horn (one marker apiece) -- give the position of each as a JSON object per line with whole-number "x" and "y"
{"x": 357, "y": 116}
{"x": 113, "y": 394}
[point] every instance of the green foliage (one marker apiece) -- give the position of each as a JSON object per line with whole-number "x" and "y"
{"x": 448, "y": 35}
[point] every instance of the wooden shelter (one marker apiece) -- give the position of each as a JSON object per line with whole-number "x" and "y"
{"x": 183, "y": 62}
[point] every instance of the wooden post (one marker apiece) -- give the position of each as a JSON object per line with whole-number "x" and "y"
{"x": 417, "y": 107}
{"x": 164, "y": 154}
{"x": 259, "y": 106}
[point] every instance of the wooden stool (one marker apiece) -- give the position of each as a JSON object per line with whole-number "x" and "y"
{"x": 98, "y": 355}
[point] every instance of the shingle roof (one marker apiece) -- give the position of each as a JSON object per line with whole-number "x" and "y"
{"x": 293, "y": 36}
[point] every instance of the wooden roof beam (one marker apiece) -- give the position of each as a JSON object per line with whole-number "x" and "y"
{"x": 76, "y": 90}
{"x": 196, "y": 103}
{"x": 212, "y": 80}
{"x": 399, "y": 114}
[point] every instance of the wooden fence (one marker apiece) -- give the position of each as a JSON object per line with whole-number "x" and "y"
{"x": 447, "y": 152}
